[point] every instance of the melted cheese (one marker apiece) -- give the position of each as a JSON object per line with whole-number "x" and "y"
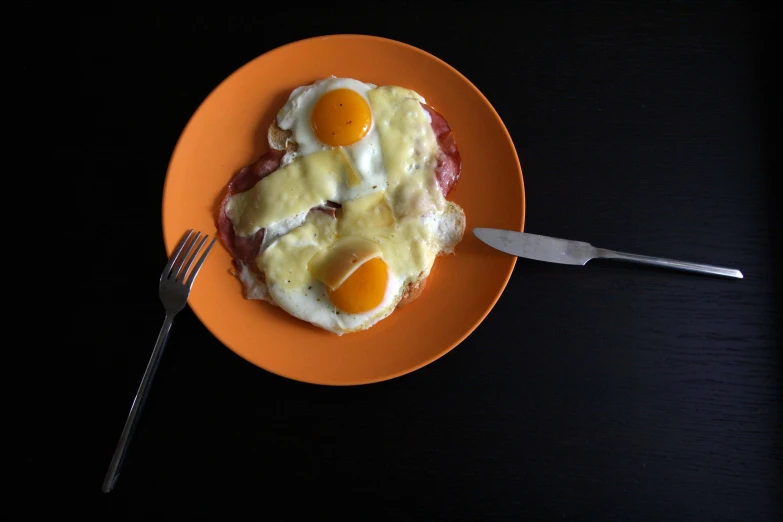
{"x": 305, "y": 183}
{"x": 408, "y": 247}
{"x": 284, "y": 262}
{"x": 410, "y": 150}
{"x": 324, "y": 248}
{"x": 336, "y": 264}
{"x": 367, "y": 213}
{"x": 352, "y": 177}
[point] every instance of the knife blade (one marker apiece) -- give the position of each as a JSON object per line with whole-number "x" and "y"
{"x": 568, "y": 252}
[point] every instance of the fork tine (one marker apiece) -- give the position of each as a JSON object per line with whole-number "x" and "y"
{"x": 194, "y": 273}
{"x": 178, "y": 264}
{"x": 175, "y": 254}
{"x": 184, "y": 272}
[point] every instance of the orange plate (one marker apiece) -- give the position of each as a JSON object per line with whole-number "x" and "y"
{"x": 228, "y": 131}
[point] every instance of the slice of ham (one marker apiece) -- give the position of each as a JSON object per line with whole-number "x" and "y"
{"x": 449, "y": 162}
{"x": 245, "y": 249}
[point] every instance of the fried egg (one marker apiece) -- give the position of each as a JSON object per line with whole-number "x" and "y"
{"x": 371, "y": 150}
{"x": 335, "y": 112}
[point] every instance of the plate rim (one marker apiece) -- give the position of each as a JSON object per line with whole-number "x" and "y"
{"x": 448, "y": 348}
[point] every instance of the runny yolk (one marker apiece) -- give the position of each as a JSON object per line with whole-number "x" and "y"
{"x": 363, "y": 290}
{"x": 341, "y": 117}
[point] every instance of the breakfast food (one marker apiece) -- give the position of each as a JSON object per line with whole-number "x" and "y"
{"x": 341, "y": 221}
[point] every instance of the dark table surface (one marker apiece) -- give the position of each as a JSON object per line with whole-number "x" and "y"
{"x": 608, "y": 392}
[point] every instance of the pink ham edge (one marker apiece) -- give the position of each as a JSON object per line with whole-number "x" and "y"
{"x": 449, "y": 165}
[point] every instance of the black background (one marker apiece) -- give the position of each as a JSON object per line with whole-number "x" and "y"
{"x": 608, "y": 392}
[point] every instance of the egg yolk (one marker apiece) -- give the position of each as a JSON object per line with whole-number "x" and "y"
{"x": 363, "y": 290}
{"x": 341, "y": 117}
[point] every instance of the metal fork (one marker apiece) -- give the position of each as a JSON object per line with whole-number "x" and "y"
{"x": 174, "y": 291}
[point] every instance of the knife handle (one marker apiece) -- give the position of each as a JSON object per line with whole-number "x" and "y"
{"x": 669, "y": 263}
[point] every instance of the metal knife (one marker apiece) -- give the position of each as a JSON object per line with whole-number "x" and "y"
{"x": 564, "y": 251}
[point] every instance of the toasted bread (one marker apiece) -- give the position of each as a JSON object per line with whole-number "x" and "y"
{"x": 280, "y": 139}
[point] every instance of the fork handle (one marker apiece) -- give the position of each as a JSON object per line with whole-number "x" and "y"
{"x": 136, "y": 407}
